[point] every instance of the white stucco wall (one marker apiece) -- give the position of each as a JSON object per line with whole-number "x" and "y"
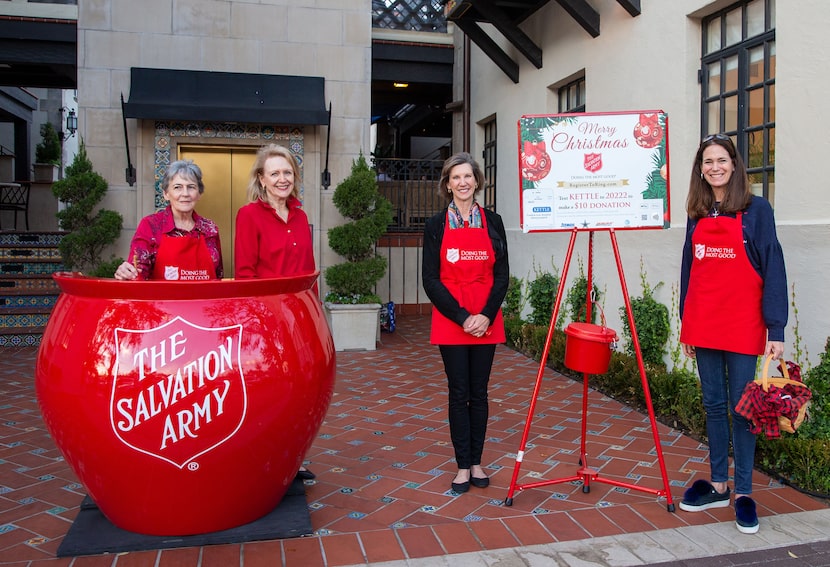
{"x": 324, "y": 38}
{"x": 651, "y": 62}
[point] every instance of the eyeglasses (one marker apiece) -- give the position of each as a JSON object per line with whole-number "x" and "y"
{"x": 721, "y": 137}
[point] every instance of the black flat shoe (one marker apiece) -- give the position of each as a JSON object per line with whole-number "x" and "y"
{"x": 480, "y": 482}
{"x": 461, "y": 487}
{"x": 306, "y": 475}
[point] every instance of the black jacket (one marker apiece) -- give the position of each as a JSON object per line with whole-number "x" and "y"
{"x": 440, "y": 296}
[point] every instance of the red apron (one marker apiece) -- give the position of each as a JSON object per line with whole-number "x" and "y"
{"x": 723, "y": 302}
{"x": 467, "y": 261}
{"x": 183, "y": 258}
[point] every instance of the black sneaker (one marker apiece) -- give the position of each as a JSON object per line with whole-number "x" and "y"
{"x": 746, "y": 518}
{"x": 702, "y": 496}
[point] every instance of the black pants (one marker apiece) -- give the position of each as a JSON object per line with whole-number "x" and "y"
{"x": 468, "y": 372}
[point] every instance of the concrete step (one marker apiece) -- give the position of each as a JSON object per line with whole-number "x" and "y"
{"x": 30, "y": 254}
{"x": 18, "y": 321}
{"x": 23, "y": 302}
{"x": 28, "y": 284}
{"x": 45, "y": 269}
{"x": 27, "y": 291}
{"x": 48, "y": 239}
{"x": 22, "y": 338}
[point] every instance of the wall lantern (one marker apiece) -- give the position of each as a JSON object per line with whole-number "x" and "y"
{"x": 71, "y": 125}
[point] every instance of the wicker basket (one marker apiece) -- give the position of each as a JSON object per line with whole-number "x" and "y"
{"x": 784, "y": 423}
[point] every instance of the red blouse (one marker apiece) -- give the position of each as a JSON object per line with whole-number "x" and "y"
{"x": 267, "y": 246}
{"x": 147, "y": 238}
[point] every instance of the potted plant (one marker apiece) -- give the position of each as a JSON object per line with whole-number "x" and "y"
{"x": 352, "y": 305}
{"x": 89, "y": 233}
{"x": 47, "y": 155}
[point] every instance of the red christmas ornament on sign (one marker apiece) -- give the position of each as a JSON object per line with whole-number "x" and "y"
{"x": 535, "y": 161}
{"x": 647, "y": 132}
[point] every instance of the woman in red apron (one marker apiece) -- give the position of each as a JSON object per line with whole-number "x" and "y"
{"x": 273, "y": 237}
{"x": 175, "y": 243}
{"x": 465, "y": 275}
{"x": 733, "y": 308}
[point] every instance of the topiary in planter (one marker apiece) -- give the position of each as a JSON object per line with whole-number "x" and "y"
{"x": 89, "y": 233}
{"x": 357, "y": 198}
{"x": 49, "y": 148}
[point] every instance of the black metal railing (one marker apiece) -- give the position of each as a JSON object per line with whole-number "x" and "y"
{"x": 411, "y": 185}
{"x": 412, "y": 15}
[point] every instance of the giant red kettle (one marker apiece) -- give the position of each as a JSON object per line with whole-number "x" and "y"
{"x": 185, "y": 408}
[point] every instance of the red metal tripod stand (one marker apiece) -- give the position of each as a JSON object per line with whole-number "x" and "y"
{"x": 585, "y": 473}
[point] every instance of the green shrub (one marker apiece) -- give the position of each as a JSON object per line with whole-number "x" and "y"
{"x": 803, "y": 463}
{"x": 622, "y": 380}
{"x": 577, "y": 297}
{"x": 357, "y": 198}
{"x": 541, "y": 295}
{"x": 107, "y": 269}
{"x": 799, "y": 348}
{"x": 513, "y": 332}
{"x": 533, "y": 340}
{"x": 803, "y": 458}
{"x": 652, "y": 321}
{"x": 512, "y": 306}
{"x": 49, "y": 148}
{"x": 88, "y": 234}
{"x": 687, "y": 404}
{"x": 679, "y": 361}
{"x": 817, "y": 424}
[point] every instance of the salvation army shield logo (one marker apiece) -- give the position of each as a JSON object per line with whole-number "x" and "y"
{"x": 453, "y": 255}
{"x": 700, "y": 251}
{"x": 171, "y": 272}
{"x": 592, "y": 162}
{"x": 178, "y": 390}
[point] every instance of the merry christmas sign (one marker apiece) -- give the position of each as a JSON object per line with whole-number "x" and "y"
{"x": 594, "y": 171}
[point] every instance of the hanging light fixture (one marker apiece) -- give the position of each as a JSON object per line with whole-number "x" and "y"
{"x": 71, "y": 124}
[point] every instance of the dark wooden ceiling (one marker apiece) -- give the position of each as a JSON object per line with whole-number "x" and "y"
{"x": 506, "y": 15}
{"x": 38, "y": 53}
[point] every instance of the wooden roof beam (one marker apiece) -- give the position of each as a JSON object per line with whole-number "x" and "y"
{"x": 583, "y": 13}
{"x": 491, "y": 13}
{"x": 490, "y": 48}
{"x": 631, "y": 6}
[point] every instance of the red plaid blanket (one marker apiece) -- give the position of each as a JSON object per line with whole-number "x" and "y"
{"x": 763, "y": 408}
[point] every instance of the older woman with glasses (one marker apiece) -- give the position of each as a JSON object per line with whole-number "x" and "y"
{"x": 733, "y": 308}
{"x": 175, "y": 243}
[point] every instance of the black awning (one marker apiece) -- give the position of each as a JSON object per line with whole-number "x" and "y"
{"x": 173, "y": 94}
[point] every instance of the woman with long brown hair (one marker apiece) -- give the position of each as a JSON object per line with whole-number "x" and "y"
{"x": 733, "y": 308}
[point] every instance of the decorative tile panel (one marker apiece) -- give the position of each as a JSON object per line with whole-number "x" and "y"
{"x": 216, "y": 132}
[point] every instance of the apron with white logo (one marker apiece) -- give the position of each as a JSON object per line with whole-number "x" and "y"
{"x": 183, "y": 258}
{"x": 723, "y": 302}
{"x": 467, "y": 260}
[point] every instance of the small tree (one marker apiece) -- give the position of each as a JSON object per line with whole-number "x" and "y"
{"x": 89, "y": 234}
{"x": 49, "y": 148}
{"x": 541, "y": 295}
{"x": 577, "y": 297}
{"x": 652, "y": 321}
{"x": 357, "y": 198}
